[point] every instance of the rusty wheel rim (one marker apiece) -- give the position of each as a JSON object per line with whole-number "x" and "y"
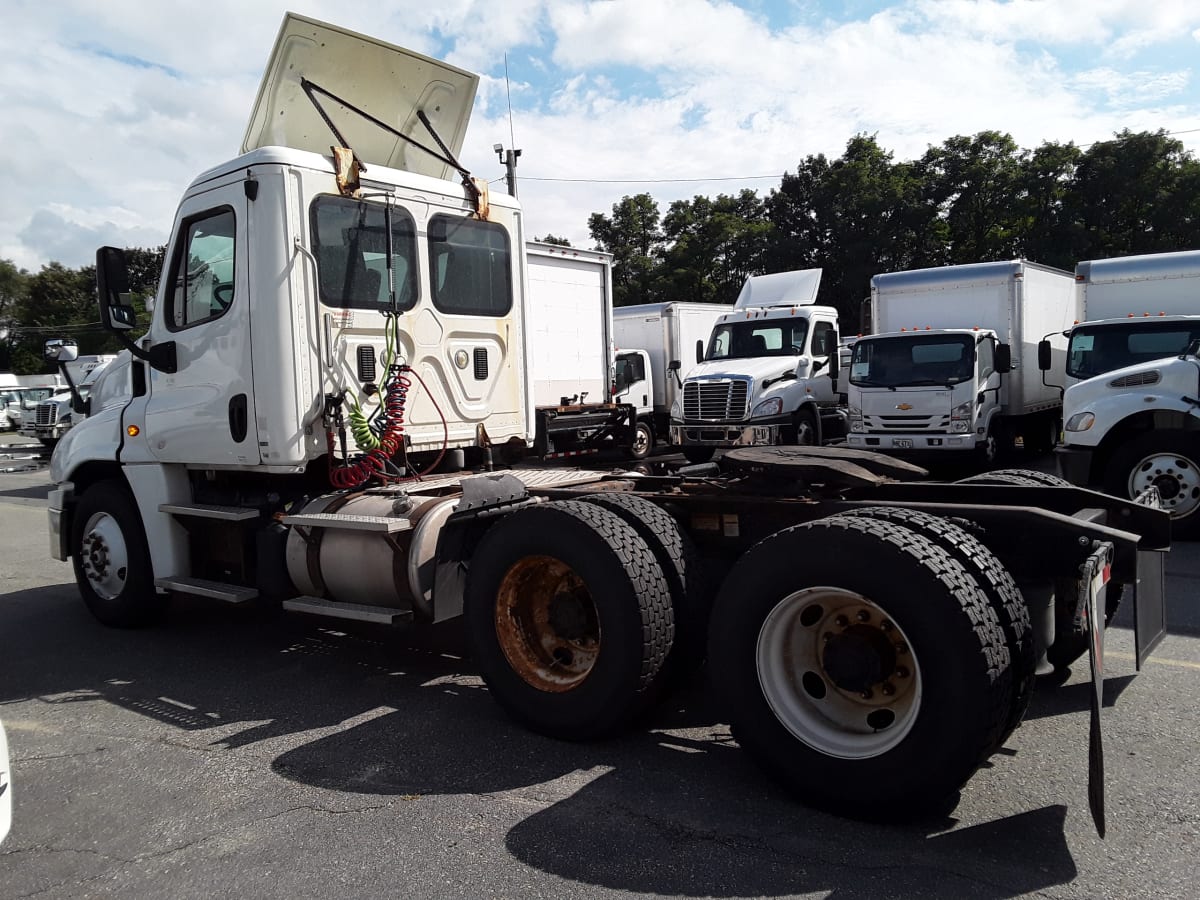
{"x": 547, "y": 624}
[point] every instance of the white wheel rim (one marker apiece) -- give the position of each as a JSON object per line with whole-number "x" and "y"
{"x": 800, "y": 679}
{"x": 1176, "y": 478}
{"x": 104, "y": 556}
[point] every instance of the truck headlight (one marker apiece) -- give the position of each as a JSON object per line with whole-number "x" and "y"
{"x": 677, "y": 409}
{"x": 1080, "y": 422}
{"x": 856, "y": 419}
{"x": 772, "y": 407}
{"x": 964, "y": 410}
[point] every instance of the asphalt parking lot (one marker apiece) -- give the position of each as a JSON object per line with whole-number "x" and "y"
{"x": 227, "y": 753}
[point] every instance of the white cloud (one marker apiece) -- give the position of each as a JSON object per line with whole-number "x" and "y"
{"x": 111, "y": 110}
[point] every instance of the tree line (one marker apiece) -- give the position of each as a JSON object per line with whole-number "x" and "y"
{"x": 971, "y": 199}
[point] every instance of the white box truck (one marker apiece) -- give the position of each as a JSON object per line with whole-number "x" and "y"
{"x": 1130, "y": 408}
{"x": 570, "y": 334}
{"x": 299, "y": 289}
{"x": 953, "y": 367}
{"x": 657, "y": 345}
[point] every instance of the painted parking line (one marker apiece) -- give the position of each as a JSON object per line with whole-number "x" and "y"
{"x": 1177, "y": 663}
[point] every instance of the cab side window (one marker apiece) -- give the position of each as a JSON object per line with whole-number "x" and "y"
{"x": 470, "y": 267}
{"x": 203, "y": 269}
{"x": 987, "y": 358}
{"x": 822, "y": 339}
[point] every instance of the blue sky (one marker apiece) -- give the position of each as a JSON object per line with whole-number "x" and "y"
{"x": 111, "y": 109}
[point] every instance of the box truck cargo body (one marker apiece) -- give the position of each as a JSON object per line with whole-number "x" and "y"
{"x": 651, "y": 337}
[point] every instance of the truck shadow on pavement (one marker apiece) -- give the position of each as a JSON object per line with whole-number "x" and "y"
{"x": 671, "y": 808}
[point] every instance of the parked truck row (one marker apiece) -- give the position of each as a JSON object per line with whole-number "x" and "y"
{"x": 287, "y": 430}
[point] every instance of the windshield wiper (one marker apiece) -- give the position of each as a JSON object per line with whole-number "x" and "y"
{"x": 865, "y": 382}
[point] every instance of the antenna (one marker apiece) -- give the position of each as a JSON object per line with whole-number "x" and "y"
{"x": 509, "y": 157}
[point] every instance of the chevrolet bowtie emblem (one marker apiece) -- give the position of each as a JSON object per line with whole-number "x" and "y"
{"x": 903, "y": 406}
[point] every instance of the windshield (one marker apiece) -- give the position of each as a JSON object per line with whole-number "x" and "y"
{"x": 1097, "y": 349}
{"x": 749, "y": 339}
{"x": 27, "y": 397}
{"x": 903, "y": 361}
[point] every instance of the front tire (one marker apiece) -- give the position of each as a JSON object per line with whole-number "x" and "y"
{"x": 806, "y": 428}
{"x": 698, "y": 453}
{"x": 111, "y": 558}
{"x": 643, "y": 441}
{"x": 569, "y": 618}
{"x": 873, "y": 690}
{"x": 1166, "y": 460}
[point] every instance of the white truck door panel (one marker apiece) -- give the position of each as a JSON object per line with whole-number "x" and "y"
{"x": 204, "y": 412}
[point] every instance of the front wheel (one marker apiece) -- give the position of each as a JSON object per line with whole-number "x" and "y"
{"x": 872, "y": 690}
{"x": 643, "y": 441}
{"x": 806, "y": 428}
{"x": 111, "y": 559}
{"x": 698, "y": 453}
{"x": 1165, "y": 460}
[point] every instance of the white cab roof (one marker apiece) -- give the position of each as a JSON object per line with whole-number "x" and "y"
{"x": 388, "y": 82}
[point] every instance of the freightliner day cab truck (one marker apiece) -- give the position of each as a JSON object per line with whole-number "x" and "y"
{"x": 953, "y": 367}
{"x": 657, "y": 343}
{"x": 218, "y": 462}
{"x": 1130, "y": 408}
{"x": 769, "y": 373}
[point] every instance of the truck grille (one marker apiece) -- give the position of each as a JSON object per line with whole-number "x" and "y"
{"x": 47, "y": 414}
{"x": 885, "y": 424}
{"x": 721, "y": 400}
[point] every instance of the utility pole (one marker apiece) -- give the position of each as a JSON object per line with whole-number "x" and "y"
{"x": 509, "y": 159}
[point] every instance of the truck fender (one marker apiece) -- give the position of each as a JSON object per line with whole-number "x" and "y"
{"x": 485, "y": 500}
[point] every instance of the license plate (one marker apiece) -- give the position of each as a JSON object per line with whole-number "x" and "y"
{"x": 761, "y": 435}
{"x": 902, "y": 443}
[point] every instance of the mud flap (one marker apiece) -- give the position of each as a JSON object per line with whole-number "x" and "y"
{"x": 1149, "y": 605}
{"x": 1094, "y": 576}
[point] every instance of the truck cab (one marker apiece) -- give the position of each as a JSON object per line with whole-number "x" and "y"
{"x": 927, "y": 390}
{"x": 769, "y": 371}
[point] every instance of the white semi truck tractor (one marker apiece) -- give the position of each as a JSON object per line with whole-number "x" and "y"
{"x": 316, "y": 417}
{"x": 769, "y": 372}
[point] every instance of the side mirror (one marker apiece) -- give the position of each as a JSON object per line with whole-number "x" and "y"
{"x": 674, "y": 366}
{"x": 1044, "y": 356}
{"x": 60, "y": 350}
{"x": 835, "y": 356}
{"x": 819, "y": 364}
{"x": 1003, "y": 358}
{"x": 699, "y": 351}
{"x": 112, "y": 288}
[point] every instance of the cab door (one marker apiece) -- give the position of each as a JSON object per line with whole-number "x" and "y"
{"x": 821, "y": 386}
{"x": 203, "y": 413}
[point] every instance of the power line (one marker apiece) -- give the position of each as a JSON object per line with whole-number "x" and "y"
{"x": 777, "y": 175}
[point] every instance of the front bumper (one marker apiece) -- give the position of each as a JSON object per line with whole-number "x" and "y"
{"x": 58, "y": 502}
{"x": 718, "y": 434}
{"x": 913, "y": 443}
{"x": 45, "y": 432}
{"x": 1075, "y": 464}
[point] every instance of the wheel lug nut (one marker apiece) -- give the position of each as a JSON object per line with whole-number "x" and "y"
{"x": 841, "y": 621}
{"x": 867, "y": 694}
{"x": 885, "y": 625}
{"x": 827, "y": 636}
{"x": 901, "y": 672}
{"x": 902, "y": 649}
{"x": 863, "y": 616}
{"x": 888, "y": 689}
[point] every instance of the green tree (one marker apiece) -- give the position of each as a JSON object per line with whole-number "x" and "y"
{"x": 634, "y": 237}
{"x": 1135, "y": 194}
{"x": 974, "y": 182}
{"x": 1043, "y": 216}
{"x": 554, "y": 240}
{"x": 713, "y": 245}
{"x": 14, "y": 286}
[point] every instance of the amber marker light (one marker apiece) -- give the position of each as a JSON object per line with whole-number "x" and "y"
{"x": 133, "y": 430}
